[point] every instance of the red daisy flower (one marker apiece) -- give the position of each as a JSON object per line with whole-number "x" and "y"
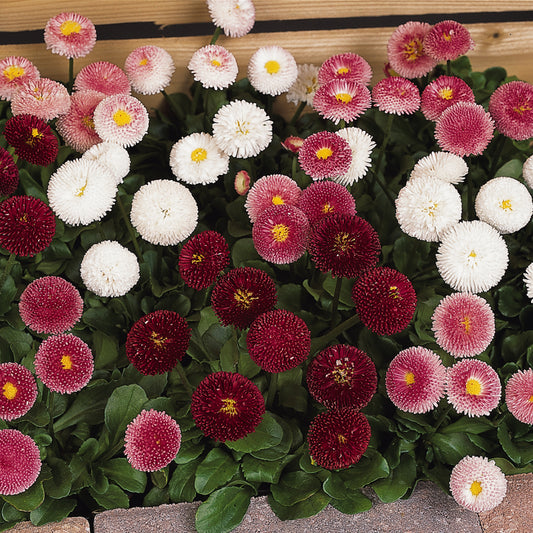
{"x": 202, "y": 258}
{"x": 103, "y": 77}
{"x": 385, "y": 300}
{"x": 447, "y": 40}
{"x": 346, "y": 66}
{"x": 280, "y": 234}
{"x": 241, "y": 295}
{"x": 442, "y": 93}
{"x": 511, "y": 107}
{"x": 157, "y": 341}
{"x": 18, "y": 390}
{"x": 473, "y": 387}
{"x": 20, "y": 460}
{"x": 338, "y": 439}
{"x": 396, "y": 95}
{"x": 64, "y": 363}
{"x": 325, "y": 155}
{"x": 342, "y": 376}
{"x": 227, "y": 406}
{"x": 27, "y": 225}
{"x": 152, "y": 440}
{"x": 519, "y": 395}
{"x": 323, "y": 198}
{"x": 346, "y": 245}
{"x": 465, "y": 128}
{"x": 278, "y": 340}
{"x": 415, "y": 380}
{"x": 32, "y": 139}
{"x": 9, "y": 173}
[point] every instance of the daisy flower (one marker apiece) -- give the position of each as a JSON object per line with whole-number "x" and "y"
{"x": 280, "y": 234}
{"x": 14, "y": 72}
{"x": 361, "y": 145}
{"x": 473, "y": 387}
{"x": 42, "y": 98}
{"x": 272, "y": 70}
{"x": 164, "y": 212}
{"x": 18, "y": 391}
{"x": 152, "y": 440}
{"x": 519, "y": 395}
{"x": 405, "y": 50}
{"x": 477, "y": 484}
{"x": 157, "y": 341}
{"x": 325, "y": 155}
{"x": 9, "y": 173}
{"x": 426, "y": 208}
{"x": 197, "y": 160}
{"x": 341, "y": 99}
{"x": 447, "y": 40}
{"x": 444, "y": 166}
{"x": 465, "y": 128}
{"x": 527, "y": 171}
{"x": 241, "y": 295}
{"x": 149, "y": 69}
{"x": 385, "y": 300}
{"x": 323, "y": 198}
{"x": 305, "y": 86}
{"x": 346, "y": 66}
{"x": 528, "y": 281}
{"x": 337, "y": 439}
{"x": 235, "y": 17}
{"x": 81, "y": 191}
{"x": 242, "y": 129}
{"x": 346, "y": 245}
{"x": 241, "y": 184}
{"x": 21, "y": 462}
{"x": 70, "y": 34}
{"x": 472, "y": 257}
{"x": 103, "y": 77}
{"x": 292, "y": 144}
{"x": 396, "y": 95}
{"x": 342, "y": 376}
{"x": 463, "y": 324}
{"x": 442, "y": 93}
{"x": 227, "y": 406}
{"x": 214, "y": 66}
{"x": 113, "y": 157}
{"x": 64, "y": 363}
{"x": 415, "y": 380}
{"x": 27, "y": 225}
{"x": 50, "y": 305}
{"x": 109, "y": 269}
{"x": 121, "y": 119}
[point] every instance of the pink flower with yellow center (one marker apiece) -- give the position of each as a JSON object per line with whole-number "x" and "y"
{"x": 519, "y": 395}
{"x": 149, "y": 69}
{"x": 103, "y": 77}
{"x": 447, "y": 40}
{"x": 214, "y": 66}
{"x": 341, "y": 99}
{"x": 43, "y": 98}
{"x": 14, "y": 72}
{"x": 396, "y": 95}
{"x": 18, "y": 391}
{"x": 346, "y": 66}
{"x": 442, "y": 93}
{"x": 323, "y": 198}
{"x": 70, "y": 34}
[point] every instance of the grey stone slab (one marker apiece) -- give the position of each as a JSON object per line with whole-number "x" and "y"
{"x": 68, "y": 525}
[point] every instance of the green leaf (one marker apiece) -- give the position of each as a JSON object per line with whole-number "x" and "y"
{"x": 509, "y": 469}
{"x": 188, "y": 452}
{"x": 295, "y": 487}
{"x": 124, "y": 404}
{"x": 399, "y": 482}
{"x": 114, "y": 497}
{"x": 7, "y": 294}
{"x": 354, "y": 503}
{"x": 181, "y": 484}
{"x": 160, "y": 477}
{"x": 10, "y": 514}
{"x": 28, "y": 500}
{"x": 266, "y": 435}
{"x": 467, "y": 424}
{"x": 310, "y": 506}
{"x": 511, "y": 169}
{"x": 452, "y": 447}
{"x": 59, "y": 485}
{"x": 510, "y": 301}
{"x": 263, "y": 471}
{"x": 244, "y": 251}
{"x": 371, "y": 466}
{"x": 105, "y": 349}
{"x": 52, "y": 511}
{"x": 121, "y": 472}
{"x": 214, "y": 471}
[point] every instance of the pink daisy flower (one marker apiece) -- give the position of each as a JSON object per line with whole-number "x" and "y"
{"x": 519, "y": 395}
{"x": 473, "y": 387}
{"x": 341, "y": 99}
{"x": 64, "y": 363}
{"x": 292, "y": 144}
{"x": 43, "y": 98}
{"x": 442, "y": 93}
{"x": 447, "y": 40}
{"x": 465, "y": 128}
{"x": 9, "y": 173}
{"x": 149, "y": 69}
{"x": 511, "y": 107}
{"x": 323, "y": 198}
{"x": 325, "y": 155}
{"x": 152, "y": 440}
{"x": 214, "y": 66}
{"x": 21, "y": 462}
{"x": 18, "y": 391}
{"x": 14, "y": 72}
{"x": 241, "y": 183}
{"x": 103, "y": 77}
{"x": 405, "y": 50}
{"x": 280, "y": 234}
{"x": 346, "y": 66}
{"x": 396, "y": 95}
{"x": 463, "y": 324}
{"x": 70, "y": 35}
{"x": 415, "y": 380}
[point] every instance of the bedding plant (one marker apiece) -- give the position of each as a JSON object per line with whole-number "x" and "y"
{"x": 212, "y": 301}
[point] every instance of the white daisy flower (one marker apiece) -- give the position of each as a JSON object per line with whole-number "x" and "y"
{"x": 361, "y": 144}
{"x": 196, "y": 159}
{"x": 242, "y": 129}
{"x": 109, "y": 269}
{"x": 272, "y": 70}
{"x": 235, "y": 17}
{"x": 214, "y": 66}
{"x": 472, "y": 257}
{"x": 505, "y": 204}
{"x": 527, "y": 171}
{"x": 81, "y": 191}
{"x": 442, "y": 165}
{"x": 305, "y": 86}
{"x": 528, "y": 280}
{"x": 112, "y": 156}
{"x": 164, "y": 212}
{"x": 426, "y": 208}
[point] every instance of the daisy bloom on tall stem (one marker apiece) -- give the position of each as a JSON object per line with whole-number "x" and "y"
{"x": 345, "y": 66}
{"x": 70, "y": 34}
{"x": 341, "y": 99}
{"x": 149, "y": 69}
{"x": 113, "y": 157}
{"x": 43, "y": 98}
{"x": 18, "y": 391}
{"x": 235, "y": 17}
{"x": 272, "y": 70}
{"x": 361, "y": 145}
{"x": 214, "y": 66}
{"x": 442, "y": 93}
{"x": 103, "y": 77}
{"x": 323, "y": 198}
{"x": 519, "y": 395}
{"x": 9, "y": 173}
{"x": 15, "y": 71}
{"x": 396, "y": 95}
{"x": 447, "y": 40}
{"x": 444, "y": 166}
{"x": 305, "y": 86}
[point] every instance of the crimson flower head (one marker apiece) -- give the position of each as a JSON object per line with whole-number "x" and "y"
{"x": 447, "y": 40}
{"x": 396, "y": 95}
{"x": 157, "y": 341}
{"x": 227, "y": 406}
{"x": 9, "y": 173}
{"x": 18, "y": 391}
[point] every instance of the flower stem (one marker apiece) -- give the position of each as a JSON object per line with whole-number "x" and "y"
{"x": 441, "y": 419}
{"x": 320, "y": 342}
{"x": 129, "y": 226}
{"x": 183, "y": 377}
{"x": 171, "y": 104}
{"x": 297, "y": 113}
{"x": 499, "y": 143}
{"x": 7, "y": 269}
{"x": 235, "y": 348}
{"x": 449, "y": 67}
{"x": 272, "y": 390}
{"x": 335, "y": 301}
{"x": 216, "y": 35}
{"x": 70, "y": 74}
{"x": 388, "y": 129}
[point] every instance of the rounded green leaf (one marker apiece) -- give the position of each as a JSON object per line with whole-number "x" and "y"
{"x": 266, "y": 435}
{"x": 310, "y": 506}
{"x": 28, "y": 500}
{"x": 214, "y": 471}
{"x": 124, "y": 404}
{"x": 121, "y": 472}
{"x": 52, "y": 511}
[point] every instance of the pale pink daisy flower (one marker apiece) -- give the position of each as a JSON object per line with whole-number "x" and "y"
{"x": 444, "y": 166}
{"x": 346, "y": 66}
{"x": 473, "y": 387}
{"x": 463, "y": 324}
{"x": 305, "y": 86}
{"x": 15, "y": 71}
{"x": 442, "y": 93}
{"x": 415, "y": 380}
{"x": 43, "y": 98}
{"x": 104, "y": 77}
{"x": 465, "y": 128}
{"x": 447, "y": 40}
{"x": 149, "y": 69}
{"x": 272, "y": 70}
{"x": 214, "y": 66}
{"x": 396, "y": 95}
{"x": 405, "y": 50}
{"x": 322, "y": 198}
{"x": 528, "y": 281}
{"x": 478, "y": 484}
{"x": 70, "y": 34}
{"x": 527, "y": 171}
{"x": 342, "y": 100}
{"x": 235, "y": 17}
{"x": 519, "y": 395}
{"x": 361, "y": 145}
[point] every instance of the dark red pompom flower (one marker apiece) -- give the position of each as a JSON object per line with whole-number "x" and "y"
{"x": 9, "y": 173}
{"x": 18, "y": 391}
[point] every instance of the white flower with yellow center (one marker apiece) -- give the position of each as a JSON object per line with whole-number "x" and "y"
{"x": 442, "y": 165}
{"x": 235, "y": 17}
{"x": 527, "y": 171}
{"x": 361, "y": 145}
{"x": 112, "y": 156}
{"x": 305, "y": 86}
{"x": 272, "y": 70}
{"x": 196, "y": 159}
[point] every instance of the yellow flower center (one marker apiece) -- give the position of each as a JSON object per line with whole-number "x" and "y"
{"x": 521, "y": 109}
{"x": 242, "y": 127}
{"x": 24, "y": 218}
{"x": 343, "y": 70}
{"x": 36, "y": 136}
{"x": 343, "y": 242}
{"x": 13, "y": 71}
{"x": 476, "y": 488}
{"x": 324, "y": 153}
{"x": 446, "y": 93}
{"x": 466, "y": 323}
{"x": 472, "y": 254}
{"x": 280, "y": 232}
{"x": 9, "y": 390}
{"x": 409, "y": 379}
{"x": 70, "y": 26}
{"x": 506, "y": 204}
{"x": 327, "y": 208}
{"x": 342, "y": 374}
{"x": 413, "y": 50}
{"x": 121, "y": 117}
{"x": 310, "y": 88}
{"x": 277, "y": 200}
{"x": 81, "y": 190}
{"x": 215, "y": 62}
{"x": 394, "y": 293}
{"x": 197, "y": 258}
{"x": 158, "y": 339}
{"x": 229, "y": 407}
{"x": 66, "y": 362}
{"x": 199, "y": 154}
{"x": 244, "y": 298}
{"x": 143, "y": 61}
{"x": 345, "y": 98}
{"x": 530, "y": 399}
{"x": 447, "y": 36}
{"x": 272, "y": 67}
{"x": 473, "y": 387}
{"x": 88, "y": 122}
{"x": 342, "y": 439}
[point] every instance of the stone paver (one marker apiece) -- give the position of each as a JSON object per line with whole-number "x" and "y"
{"x": 68, "y": 525}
